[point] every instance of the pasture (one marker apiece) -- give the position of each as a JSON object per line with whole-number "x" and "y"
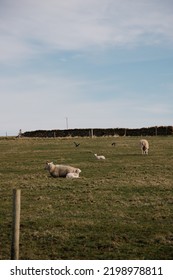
{"x": 119, "y": 208}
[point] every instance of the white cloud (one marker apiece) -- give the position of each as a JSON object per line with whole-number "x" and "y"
{"x": 28, "y": 26}
{"x": 50, "y": 70}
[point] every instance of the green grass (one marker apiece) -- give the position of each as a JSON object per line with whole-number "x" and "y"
{"x": 120, "y": 208}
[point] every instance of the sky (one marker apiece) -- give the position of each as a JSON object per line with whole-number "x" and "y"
{"x": 85, "y": 64}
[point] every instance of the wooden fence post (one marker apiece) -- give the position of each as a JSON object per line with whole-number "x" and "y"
{"x": 92, "y": 134}
{"x": 16, "y": 224}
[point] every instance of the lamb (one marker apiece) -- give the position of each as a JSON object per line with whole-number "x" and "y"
{"x": 71, "y": 175}
{"x": 60, "y": 170}
{"x": 99, "y": 157}
{"x": 144, "y": 146}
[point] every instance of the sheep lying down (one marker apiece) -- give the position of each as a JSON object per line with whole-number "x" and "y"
{"x": 73, "y": 175}
{"x": 99, "y": 157}
{"x": 59, "y": 170}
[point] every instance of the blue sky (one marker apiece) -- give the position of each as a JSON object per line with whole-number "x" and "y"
{"x": 97, "y": 63}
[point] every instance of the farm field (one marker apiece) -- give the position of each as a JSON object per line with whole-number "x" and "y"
{"x": 120, "y": 208}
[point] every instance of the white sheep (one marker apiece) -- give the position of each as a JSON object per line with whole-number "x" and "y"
{"x": 144, "y": 146}
{"x": 60, "y": 170}
{"x": 99, "y": 157}
{"x": 72, "y": 175}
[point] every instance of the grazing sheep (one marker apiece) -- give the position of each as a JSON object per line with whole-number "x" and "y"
{"x": 60, "y": 170}
{"x": 144, "y": 146}
{"x": 99, "y": 157}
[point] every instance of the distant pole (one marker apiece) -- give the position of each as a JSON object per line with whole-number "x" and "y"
{"x": 16, "y": 225}
{"x": 66, "y": 122}
{"x": 20, "y": 133}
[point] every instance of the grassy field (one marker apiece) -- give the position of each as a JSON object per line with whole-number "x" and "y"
{"x": 120, "y": 208}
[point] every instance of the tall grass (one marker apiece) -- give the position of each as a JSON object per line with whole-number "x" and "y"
{"x": 120, "y": 208}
